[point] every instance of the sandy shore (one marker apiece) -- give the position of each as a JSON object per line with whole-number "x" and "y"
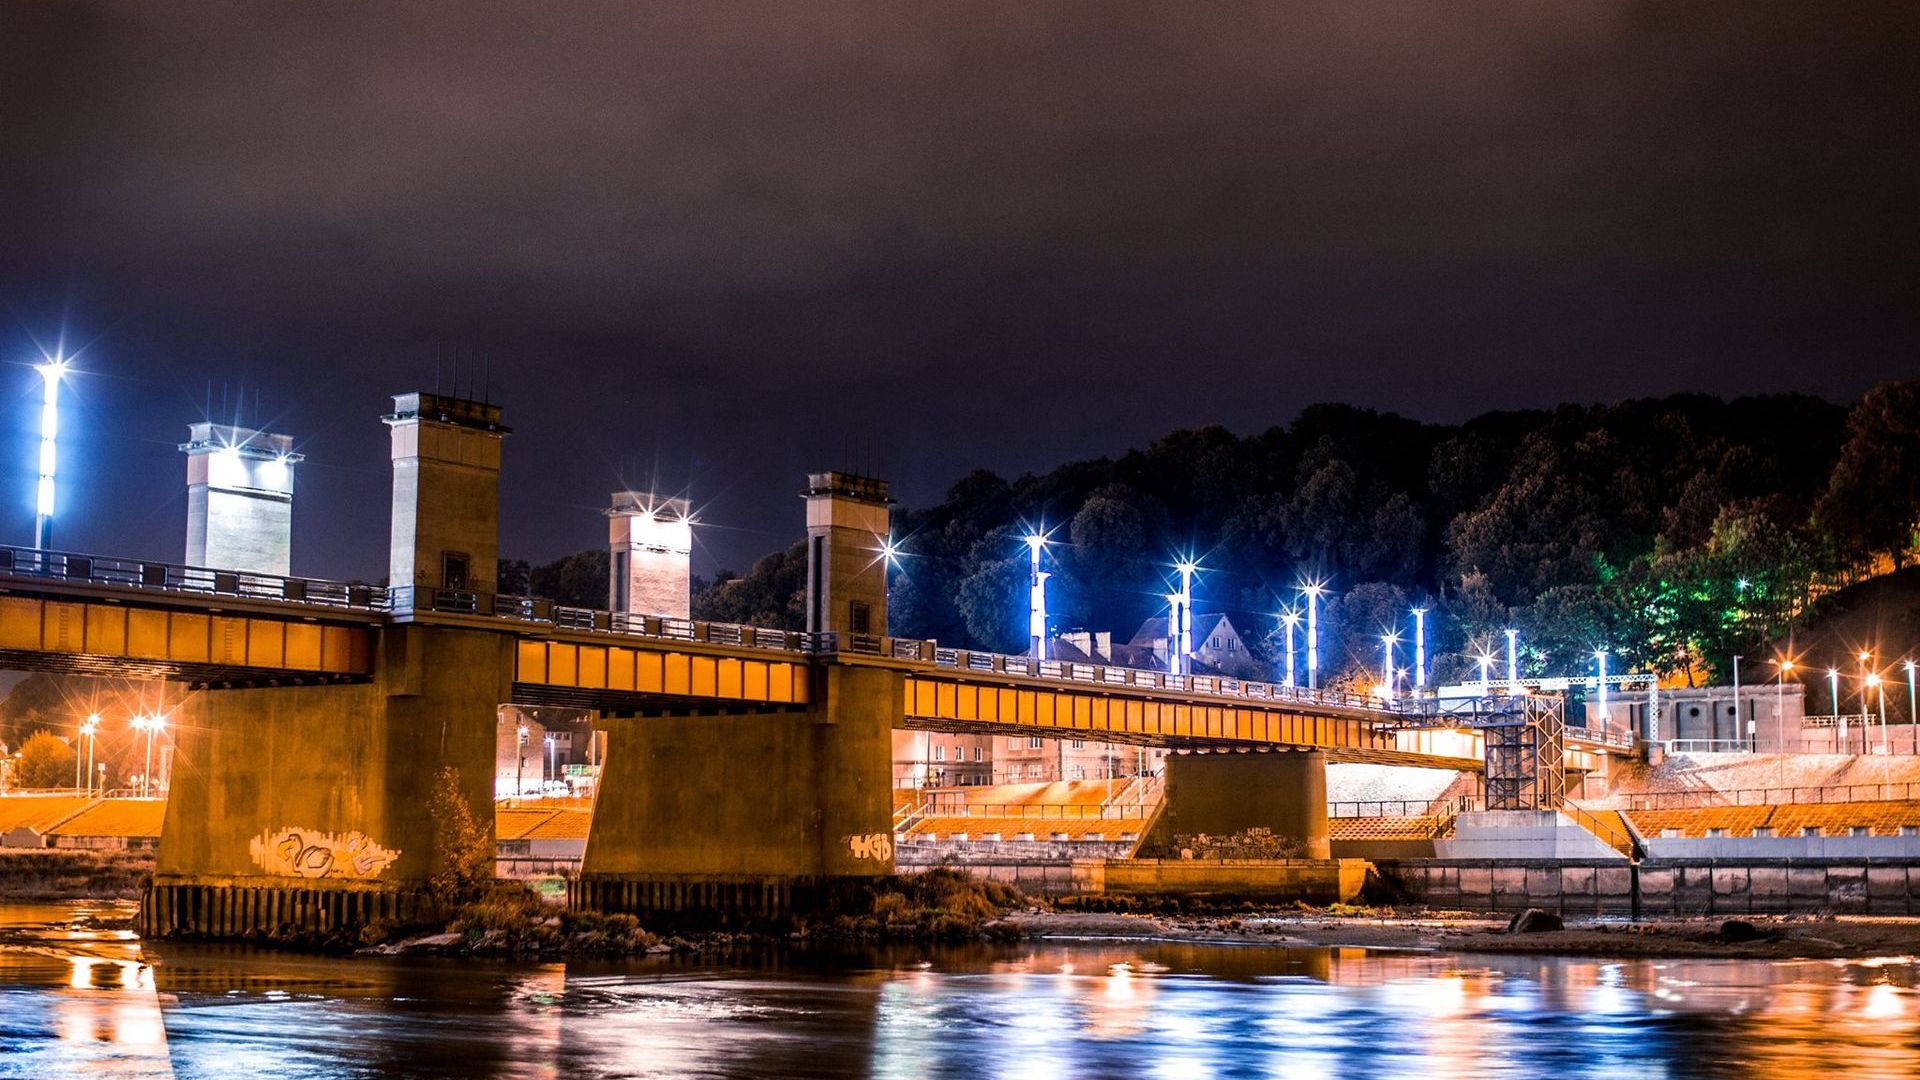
{"x": 1789, "y": 937}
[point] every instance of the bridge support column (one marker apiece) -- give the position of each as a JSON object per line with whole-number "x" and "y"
{"x": 746, "y": 816}
{"x": 305, "y": 808}
{"x": 1221, "y": 794}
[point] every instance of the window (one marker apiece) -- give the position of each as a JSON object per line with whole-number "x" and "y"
{"x": 1079, "y": 744}
{"x": 979, "y": 753}
{"x": 1860, "y": 830}
{"x": 1810, "y": 830}
{"x": 1716, "y": 832}
{"x": 1910, "y": 830}
{"x": 959, "y": 753}
{"x": 860, "y": 617}
{"x": 1763, "y": 830}
{"x": 940, "y": 753}
{"x": 1671, "y": 834}
{"x": 1079, "y": 772}
{"x": 1033, "y": 742}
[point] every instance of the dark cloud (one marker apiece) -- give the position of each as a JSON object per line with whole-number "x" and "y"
{"x": 722, "y": 241}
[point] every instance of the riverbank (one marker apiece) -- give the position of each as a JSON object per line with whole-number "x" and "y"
{"x": 73, "y": 874}
{"x": 1778, "y": 938}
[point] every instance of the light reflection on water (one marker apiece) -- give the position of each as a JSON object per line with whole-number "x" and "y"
{"x": 86, "y": 1003}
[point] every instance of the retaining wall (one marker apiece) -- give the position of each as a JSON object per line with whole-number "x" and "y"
{"x": 1681, "y": 887}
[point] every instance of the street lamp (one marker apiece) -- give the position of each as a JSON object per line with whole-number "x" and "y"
{"x": 1173, "y": 633}
{"x": 1865, "y": 709}
{"x": 519, "y": 763}
{"x": 1486, "y": 670}
{"x": 1780, "y": 706}
{"x": 548, "y": 775}
{"x": 151, "y": 725}
{"x": 1513, "y": 659}
{"x": 51, "y": 373}
{"x": 1036, "y": 600}
{"x": 1313, "y": 589}
{"x": 1874, "y": 683}
{"x": 1289, "y": 620}
{"x": 87, "y": 728}
{"x": 1737, "y": 715}
{"x": 1187, "y": 569}
{"x": 1839, "y": 721}
{"x": 1387, "y": 642}
{"x": 1912, "y": 718}
{"x": 1606, "y": 715}
{"x": 1419, "y": 649}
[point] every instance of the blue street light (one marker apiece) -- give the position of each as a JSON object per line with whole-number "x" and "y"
{"x": 1419, "y": 648}
{"x": 1387, "y": 642}
{"x": 1513, "y": 659}
{"x": 1183, "y": 639}
{"x": 1036, "y": 600}
{"x": 51, "y": 373}
{"x": 1313, "y": 589}
{"x": 1290, "y": 618}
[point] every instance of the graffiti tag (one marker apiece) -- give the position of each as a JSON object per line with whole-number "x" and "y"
{"x": 306, "y": 853}
{"x": 871, "y": 846}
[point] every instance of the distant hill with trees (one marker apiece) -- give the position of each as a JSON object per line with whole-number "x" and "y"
{"x": 1675, "y": 532}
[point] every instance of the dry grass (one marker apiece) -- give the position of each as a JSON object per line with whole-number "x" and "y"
{"x": 68, "y": 874}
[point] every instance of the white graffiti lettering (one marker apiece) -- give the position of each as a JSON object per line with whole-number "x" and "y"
{"x": 871, "y": 846}
{"x": 308, "y": 853}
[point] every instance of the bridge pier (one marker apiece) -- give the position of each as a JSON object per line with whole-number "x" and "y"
{"x": 1220, "y": 794}
{"x": 746, "y": 815}
{"x": 306, "y": 807}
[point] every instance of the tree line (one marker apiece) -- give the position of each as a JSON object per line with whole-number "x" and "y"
{"x": 1674, "y": 532}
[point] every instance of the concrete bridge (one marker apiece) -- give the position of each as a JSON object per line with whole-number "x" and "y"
{"x": 747, "y": 770}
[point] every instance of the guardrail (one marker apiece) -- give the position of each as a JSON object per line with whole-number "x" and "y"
{"x": 173, "y": 578}
{"x": 1823, "y": 793}
{"x": 1032, "y": 811}
{"x": 1459, "y": 804}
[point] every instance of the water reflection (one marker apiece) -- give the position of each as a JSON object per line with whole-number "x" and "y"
{"x": 81, "y": 1002}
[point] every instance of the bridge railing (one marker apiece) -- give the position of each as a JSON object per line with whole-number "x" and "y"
{"x": 1775, "y": 796}
{"x": 1036, "y": 811}
{"x": 411, "y": 599}
{"x": 175, "y": 578}
{"x": 1362, "y": 808}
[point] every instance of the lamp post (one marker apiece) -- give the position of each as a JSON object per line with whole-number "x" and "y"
{"x": 548, "y": 777}
{"x": 1866, "y": 710}
{"x": 1187, "y": 569}
{"x": 1486, "y": 670}
{"x": 1736, "y": 702}
{"x": 1419, "y": 649}
{"x": 88, "y": 729}
{"x": 151, "y": 725}
{"x": 1606, "y": 714}
{"x": 51, "y": 373}
{"x": 1874, "y": 683}
{"x": 1289, "y": 619}
{"x": 1839, "y": 721}
{"x": 519, "y": 763}
{"x": 1173, "y": 633}
{"x": 1913, "y": 719}
{"x": 1513, "y": 659}
{"x": 1036, "y": 599}
{"x": 1313, "y": 589}
{"x": 1387, "y": 642}
{"x": 1780, "y": 706}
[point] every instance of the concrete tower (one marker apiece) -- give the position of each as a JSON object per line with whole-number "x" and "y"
{"x": 239, "y": 499}
{"x": 651, "y": 571}
{"x": 446, "y": 493}
{"x": 846, "y": 573}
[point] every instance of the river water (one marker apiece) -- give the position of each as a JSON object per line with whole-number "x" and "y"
{"x": 77, "y": 1000}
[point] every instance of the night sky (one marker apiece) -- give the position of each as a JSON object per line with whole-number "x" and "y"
{"x": 713, "y": 246}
